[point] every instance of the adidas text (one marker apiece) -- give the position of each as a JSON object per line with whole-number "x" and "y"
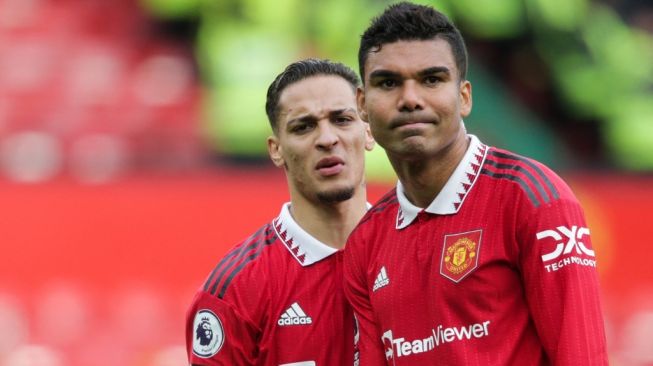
{"x": 295, "y": 321}
{"x": 294, "y": 315}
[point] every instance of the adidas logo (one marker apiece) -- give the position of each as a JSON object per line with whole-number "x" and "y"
{"x": 294, "y": 315}
{"x": 382, "y": 279}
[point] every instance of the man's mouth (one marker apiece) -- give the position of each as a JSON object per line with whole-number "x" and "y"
{"x": 330, "y": 166}
{"x": 411, "y": 121}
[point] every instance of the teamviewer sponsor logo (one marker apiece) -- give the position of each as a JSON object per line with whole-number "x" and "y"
{"x": 294, "y": 315}
{"x": 440, "y": 336}
{"x": 573, "y": 251}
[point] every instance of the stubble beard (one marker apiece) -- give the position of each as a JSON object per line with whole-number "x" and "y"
{"x": 335, "y": 196}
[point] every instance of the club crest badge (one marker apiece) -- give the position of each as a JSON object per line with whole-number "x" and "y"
{"x": 460, "y": 254}
{"x": 209, "y": 334}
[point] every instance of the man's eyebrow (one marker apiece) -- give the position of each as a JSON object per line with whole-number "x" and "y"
{"x": 383, "y": 74}
{"x": 434, "y": 70}
{"x": 303, "y": 118}
{"x": 342, "y": 111}
{"x": 312, "y": 118}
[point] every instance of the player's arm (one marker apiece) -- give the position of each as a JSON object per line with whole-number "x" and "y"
{"x": 368, "y": 341}
{"x": 217, "y": 333}
{"x": 558, "y": 264}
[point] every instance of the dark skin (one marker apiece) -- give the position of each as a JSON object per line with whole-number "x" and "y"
{"x": 415, "y": 101}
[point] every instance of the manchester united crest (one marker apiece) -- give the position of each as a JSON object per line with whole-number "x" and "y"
{"x": 460, "y": 254}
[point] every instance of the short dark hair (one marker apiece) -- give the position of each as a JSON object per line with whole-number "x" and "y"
{"x": 405, "y": 21}
{"x": 301, "y": 70}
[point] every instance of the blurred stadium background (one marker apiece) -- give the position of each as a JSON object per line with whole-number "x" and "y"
{"x": 132, "y": 150}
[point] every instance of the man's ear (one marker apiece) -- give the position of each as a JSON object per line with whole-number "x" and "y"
{"x": 465, "y": 98}
{"x": 369, "y": 139}
{"x": 274, "y": 150}
{"x": 360, "y": 102}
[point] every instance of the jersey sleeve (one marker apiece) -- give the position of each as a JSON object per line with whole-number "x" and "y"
{"x": 217, "y": 333}
{"x": 558, "y": 266}
{"x": 368, "y": 340}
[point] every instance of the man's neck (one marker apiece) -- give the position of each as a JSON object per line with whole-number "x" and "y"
{"x": 423, "y": 179}
{"x": 329, "y": 223}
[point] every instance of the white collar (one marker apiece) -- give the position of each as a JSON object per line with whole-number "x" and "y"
{"x": 454, "y": 192}
{"x": 303, "y": 246}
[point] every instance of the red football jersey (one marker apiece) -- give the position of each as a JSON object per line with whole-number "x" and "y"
{"x": 498, "y": 270}
{"x": 275, "y": 299}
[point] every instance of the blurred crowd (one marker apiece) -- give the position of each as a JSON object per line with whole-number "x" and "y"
{"x": 91, "y": 89}
{"x": 96, "y": 90}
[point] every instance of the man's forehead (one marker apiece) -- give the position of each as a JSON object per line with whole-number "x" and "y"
{"x": 316, "y": 96}
{"x": 314, "y": 87}
{"x": 411, "y": 56}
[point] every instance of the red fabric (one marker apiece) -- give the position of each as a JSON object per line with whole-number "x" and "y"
{"x": 509, "y": 307}
{"x": 265, "y": 281}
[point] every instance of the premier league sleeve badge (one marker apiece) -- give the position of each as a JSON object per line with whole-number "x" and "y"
{"x": 209, "y": 334}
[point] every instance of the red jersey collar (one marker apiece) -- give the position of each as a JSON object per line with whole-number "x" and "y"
{"x": 302, "y": 245}
{"x": 454, "y": 192}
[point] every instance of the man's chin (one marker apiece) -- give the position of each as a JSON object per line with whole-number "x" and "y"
{"x": 409, "y": 148}
{"x": 335, "y": 195}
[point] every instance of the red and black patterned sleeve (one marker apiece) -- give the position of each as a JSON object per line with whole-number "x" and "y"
{"x": 558, "y": 266}
{"x": 218, "y": 334}
{"x": 222, "y": 325}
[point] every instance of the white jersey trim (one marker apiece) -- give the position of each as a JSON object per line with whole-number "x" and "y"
{"x": 305, "y": 248}
{"x": 454, "y": 192}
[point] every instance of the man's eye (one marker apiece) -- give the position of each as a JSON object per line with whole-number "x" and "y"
{"x": 387, "y": 83}
{"x": 299, "y": 128}
{"x": 431, "y": 80}
{"x": 343, "y": 119}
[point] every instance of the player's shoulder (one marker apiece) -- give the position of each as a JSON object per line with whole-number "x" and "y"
{"x": 381, "y": 211}
{"x": 240, "y": 260}
{"x": 537, "y": 181}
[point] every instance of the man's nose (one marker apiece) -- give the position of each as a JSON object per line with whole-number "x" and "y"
{"x": 410, "y": 98}
{"x": 327, "y": 136}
